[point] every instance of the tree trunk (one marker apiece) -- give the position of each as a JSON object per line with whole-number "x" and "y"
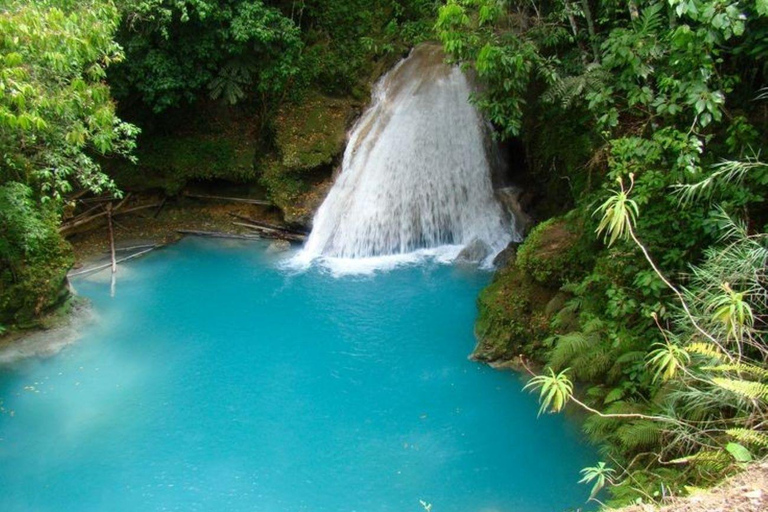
{"x": 575, "y": 30}
{"x": 634, "y": 13}
{"x": 591, "y": 29}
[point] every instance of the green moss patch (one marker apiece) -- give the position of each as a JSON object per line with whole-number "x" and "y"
{"x": 309, "y": 139}
{"x": 516, "y": 310}
{"x": 556, "y": 251}
{"x": 313, "y": 133}
{"x": 38, "y": 286}
{"x": 512, "y": 318}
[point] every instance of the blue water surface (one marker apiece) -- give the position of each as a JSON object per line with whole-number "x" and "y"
{"x": 215, "y": 381}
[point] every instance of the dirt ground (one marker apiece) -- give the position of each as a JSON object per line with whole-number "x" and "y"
{"x": 745, "y": 492}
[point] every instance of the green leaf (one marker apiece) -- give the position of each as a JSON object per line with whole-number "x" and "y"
{"x": 739, "y": 453}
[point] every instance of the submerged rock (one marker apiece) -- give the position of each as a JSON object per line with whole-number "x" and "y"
{"x": 475, "y": 251}
{"x": 279, "y": 246}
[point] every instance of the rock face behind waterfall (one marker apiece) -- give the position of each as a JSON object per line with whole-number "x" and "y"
{"x": 416, "y": 171}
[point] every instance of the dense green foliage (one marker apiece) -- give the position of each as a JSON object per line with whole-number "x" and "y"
{"x": 666, "y": 97}
{"x": 177, "y": 49}
{"x": 56, "y": 117}
{"x": 240, "y": 50}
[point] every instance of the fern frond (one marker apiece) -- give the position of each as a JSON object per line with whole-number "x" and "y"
{"x": 567, "y": 90}
{"x": 569, "y": 346}
{"x": 599, "y": 427}
{"x": 650, "y": 21}
{"x": 750, "y": 369}
{"x": 591, "y": 365}
{"x": 711, "y": 461}
{"x": 640, "y": 434}
{"x": 709, "y": 350}
{"x": 631, "y": 357}
{"x": 748, "y": 436}
{"x": 747, "y": 389}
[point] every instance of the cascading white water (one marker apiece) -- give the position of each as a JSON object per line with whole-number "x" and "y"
{"x": 416, "y": 172}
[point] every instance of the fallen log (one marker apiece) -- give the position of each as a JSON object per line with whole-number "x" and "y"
{"x": 99, "y": 199}
{"x": 73, "y": 225}
{"x": 85, "y": 214}
{"x": 77, "y": 195}
{"x": 234, "y": 199}
{"x": 268, "y": 225}
{"x": 133, "y": 248}
{"x": 217, "y": 234}
{"x": 272, "y": 233}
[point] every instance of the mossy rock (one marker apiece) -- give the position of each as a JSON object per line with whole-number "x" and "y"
{"x": 311, "y": 134}
{"x": 556, "y": 251}
{"x": 512, "y": 318}
{"x": 516, "y": 310}
{"x": 309, "y": 140}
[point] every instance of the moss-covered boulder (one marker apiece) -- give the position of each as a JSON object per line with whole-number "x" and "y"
{"x": 556, "y": 251}
{"x": 312, "y": 134}
{"x": 512, "y": 318}
{"x": 516, "y": 310}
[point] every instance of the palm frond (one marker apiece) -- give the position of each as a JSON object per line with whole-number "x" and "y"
{"x": 725, "y": 172}
{"x": 750, "y": 369}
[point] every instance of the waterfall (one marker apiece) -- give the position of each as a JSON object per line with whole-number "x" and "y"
{"x": 416, "y": 172}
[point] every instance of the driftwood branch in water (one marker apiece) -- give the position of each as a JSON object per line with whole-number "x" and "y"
{"x": 107, "y": 265}
{"x": 234, "y": 199}
{"x": 217, "y": 234}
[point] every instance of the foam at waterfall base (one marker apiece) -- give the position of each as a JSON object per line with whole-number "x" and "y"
{"x": 340, "y": 267}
